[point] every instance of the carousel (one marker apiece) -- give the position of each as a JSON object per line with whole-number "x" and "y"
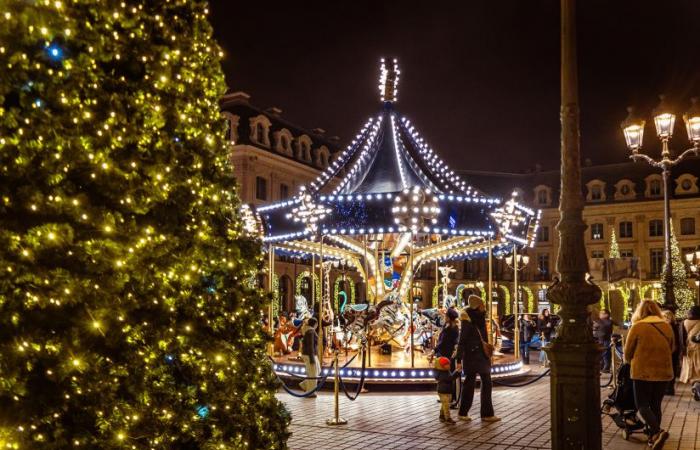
{"x": 388, "y": 207}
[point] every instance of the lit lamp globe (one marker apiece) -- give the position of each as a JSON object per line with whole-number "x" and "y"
{"x": 664, "y": 119}
{"x": 692, "y": 121}
{"x": 633, "y": 129}
{"x": 526, "y": 259}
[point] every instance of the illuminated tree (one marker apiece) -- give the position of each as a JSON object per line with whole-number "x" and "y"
{"x": 684, "y": 295}
{"x": 124, "y": 321}
{"x": 614, "y": 251}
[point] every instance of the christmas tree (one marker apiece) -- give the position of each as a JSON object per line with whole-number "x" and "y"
{"x": 124, "y": 319}
{"x": 684, "y": 295}
{"x": 614, "y": 251}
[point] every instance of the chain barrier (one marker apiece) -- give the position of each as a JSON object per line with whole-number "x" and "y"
{"x": 321, "y": 380}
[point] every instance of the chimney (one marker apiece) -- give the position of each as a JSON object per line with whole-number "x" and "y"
{"x": 236, "y": 97}
{"x": 274, "y": 111}
{"x": 319, "y": 131}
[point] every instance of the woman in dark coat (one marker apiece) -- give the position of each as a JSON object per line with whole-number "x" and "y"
{"x": 448, "y": 341}
{"x": 474, "y": 361}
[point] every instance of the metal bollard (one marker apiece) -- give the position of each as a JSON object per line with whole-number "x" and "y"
{"x": 336, "y": 420}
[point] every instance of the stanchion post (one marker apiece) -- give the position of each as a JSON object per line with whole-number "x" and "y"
{"x": 336, "y": 419}
{"x": 613, "y": 369}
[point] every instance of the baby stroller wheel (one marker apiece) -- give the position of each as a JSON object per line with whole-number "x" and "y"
{"x": 625, "y": 434}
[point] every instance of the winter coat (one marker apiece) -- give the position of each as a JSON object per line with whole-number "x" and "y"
{"x": 691, "y": 363}
{"x": 478, "y": 318}
{"x": 648, "y": 349}
{"x": 545, "y": 326}
{"x": 470, "y": 350}
{"x": 527, "y": 330}
{"x": 447, "y": 341}
{"x": 602, "y": 330}
{"x": 444, "y": 380}
{"x": 309, "y": 344}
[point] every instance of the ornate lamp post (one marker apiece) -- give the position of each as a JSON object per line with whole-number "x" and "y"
{"x": 664, "y": 119}
{"x": 693, "y": 259}
{"x": 516, "y": 262}
{"x": 574, "y": 356}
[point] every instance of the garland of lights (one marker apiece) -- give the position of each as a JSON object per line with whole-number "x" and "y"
{"x": 436, "y": 289}
{"x": 336, "y": 290}
{"x": 506, "y": 297}
{"x": 626, "y": 293}
{"x": 530, "y": 298}
{"x": 643, "y": 291}
{"x": 317, "y": 285}
{"x": 275, "y": 295}
{"x": 458, "y": 293}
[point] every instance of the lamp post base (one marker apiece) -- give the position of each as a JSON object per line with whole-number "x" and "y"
{"x": 575, "y": 392}
{"x": 336, "y": 421}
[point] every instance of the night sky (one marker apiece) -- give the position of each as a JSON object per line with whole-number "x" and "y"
{"x": 480, "y": 79}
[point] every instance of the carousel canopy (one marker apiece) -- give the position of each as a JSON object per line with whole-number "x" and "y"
{"x": 389, "y": 182}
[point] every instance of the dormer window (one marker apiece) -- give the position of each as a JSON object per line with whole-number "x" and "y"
{"x": 322, "y": 157}
{"x": 283, "y": 142}
{"x": 596, "y": 191}
{"x": 304, "y": 148}
{"x": 654, "y": 186}
{"x": 260, "y": 130}
{"x": 686, "y": 184}
{"x": 624, "y": 190}
{"x": 543, "y": 195}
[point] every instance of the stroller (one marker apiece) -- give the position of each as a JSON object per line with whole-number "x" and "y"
{"x": 620, "y": 405}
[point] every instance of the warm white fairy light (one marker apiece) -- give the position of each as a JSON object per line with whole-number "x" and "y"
{"x": 389, "y": 81}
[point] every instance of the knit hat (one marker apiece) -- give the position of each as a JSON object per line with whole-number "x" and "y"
{"x": 452, "y": 313}
{"x": 442, "y": 363}
{"x": 475, "y": 302}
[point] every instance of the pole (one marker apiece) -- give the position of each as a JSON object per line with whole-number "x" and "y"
{"x": 489, "y": 292}
{"x": 411, "y": 328}
{"x": 516, "y": 309}
{"x": 376, "y": 276}
{"x": 336, "y": 419}
{"x": 670, "y": 296}
{"x": 321, "y": 328}
{"x": 574, "y": 356}
{"x": 270, "y": 288}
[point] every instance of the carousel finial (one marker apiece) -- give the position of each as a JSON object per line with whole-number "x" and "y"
{"x": 389, "y": 81}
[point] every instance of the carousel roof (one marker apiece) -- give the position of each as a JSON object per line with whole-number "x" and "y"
{"x": 389, "y": 180}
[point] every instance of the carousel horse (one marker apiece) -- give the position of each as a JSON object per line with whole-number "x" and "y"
{"x": 393, "y": 318}
{"x": 302, "y": 308}
{"x": 359, "y": 317}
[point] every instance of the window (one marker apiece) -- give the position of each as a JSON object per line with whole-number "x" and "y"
{"x": 655, "y": 188}
{"x": 625, "y": 229}
{"x": 687, "y": 226}
{"x": 597, "y": 254}
{"x": 260, "y": 188}
{"x": 656, "y": 261}
{"x": 596, "y": 192}
{"x": 627, "y": 253}
{"x": 597, "y": 231}
{"x": 686, "y": 184}
{"x": 542, "y": 197}
{"x": 543, "y": 234}
{"x": 656, "y": 228}
{"x": 543, "y": 264}
{"x": 284, "y": 191}
{"x": 625, "y": 189}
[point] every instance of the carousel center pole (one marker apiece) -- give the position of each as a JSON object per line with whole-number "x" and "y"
{"x": 573, "y": 354}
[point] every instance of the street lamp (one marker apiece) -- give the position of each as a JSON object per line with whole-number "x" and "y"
{"x": 516, "y": 262}
{"x": 693, "y": 259}
{"x": 664, "y": 120}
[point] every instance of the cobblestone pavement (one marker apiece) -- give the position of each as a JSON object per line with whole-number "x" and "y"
{"x": 409, "y": 420}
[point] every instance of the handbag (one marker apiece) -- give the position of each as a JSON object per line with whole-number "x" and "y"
{"x": 485, "y": 346}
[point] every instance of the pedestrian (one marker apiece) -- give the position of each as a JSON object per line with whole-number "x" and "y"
{"x": 690, "y": 373}
{"x": 527, "y": 331}
{"x": 648, "y": 349}
{"x": 602, "y": 332}
{"x": 309, "y": 354}
{"x": 545, "y": 326}
{"x": 445, "y": 377}
{"x": 447, "y": 342}
{"x": 670, "y": 319}
{"x": 474, "y": 360}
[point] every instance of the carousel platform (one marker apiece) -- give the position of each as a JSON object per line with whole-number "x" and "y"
{"x": 394, "y": 368}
